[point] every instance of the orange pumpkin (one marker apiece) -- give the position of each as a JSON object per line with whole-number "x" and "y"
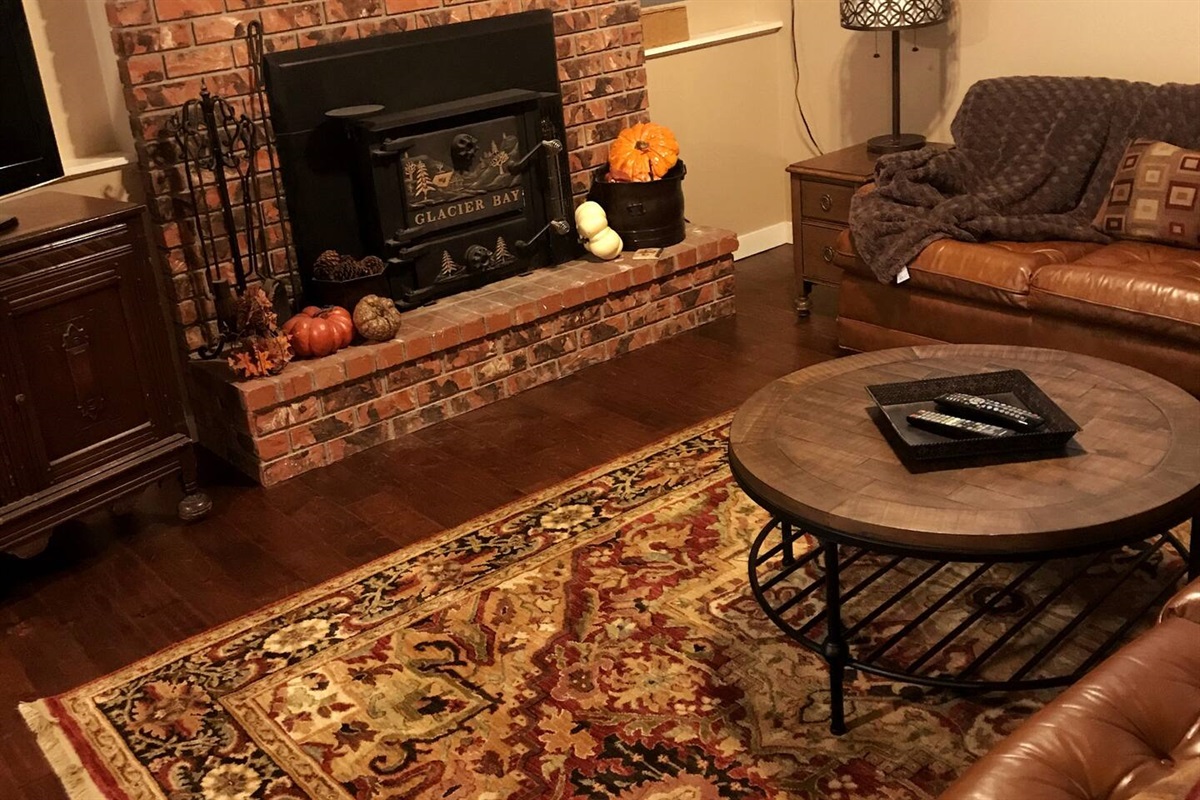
{"x": 642, "y": 153}
{"x": 316, "y": 332}
{"x": 342, "y": 322}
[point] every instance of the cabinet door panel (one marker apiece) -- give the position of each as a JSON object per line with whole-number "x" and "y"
{"x": 81, "y": 392}
{"x": 9, "y": 489}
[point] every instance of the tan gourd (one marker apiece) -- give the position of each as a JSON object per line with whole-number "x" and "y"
{"x": 590, "y": 219}
{"x": 606, "y": 244}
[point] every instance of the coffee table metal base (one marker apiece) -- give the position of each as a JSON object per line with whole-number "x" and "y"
{"x": 783, "y": 579}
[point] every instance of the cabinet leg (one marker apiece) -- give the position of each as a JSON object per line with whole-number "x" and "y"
{"x": 802, "y": 304}
{"x": 31, "y": 547}
{"x": 123, "y": 506}
{"x": 195, "y": 503}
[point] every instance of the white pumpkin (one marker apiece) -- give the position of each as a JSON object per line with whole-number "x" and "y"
{"x": 606, "y": 244}
{"x": 590, "y": 219}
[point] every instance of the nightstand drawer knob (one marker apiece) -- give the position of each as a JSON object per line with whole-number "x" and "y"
{"x": 827, "y": 254}
{"x": 826, "y": 202}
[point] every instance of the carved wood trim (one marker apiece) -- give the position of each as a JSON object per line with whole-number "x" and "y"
{"x": 77, "y": 345}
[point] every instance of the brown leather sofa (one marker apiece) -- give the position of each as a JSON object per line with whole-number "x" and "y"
{"x": 1129, "y": 729}
{"x": 1132, "y": 302}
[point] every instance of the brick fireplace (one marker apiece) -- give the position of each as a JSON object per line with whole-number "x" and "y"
{"x": 466, "y": 350}
{"x": 165, "y": 47}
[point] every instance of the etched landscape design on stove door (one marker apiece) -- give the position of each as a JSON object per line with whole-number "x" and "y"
{"x": 461, "y": 174}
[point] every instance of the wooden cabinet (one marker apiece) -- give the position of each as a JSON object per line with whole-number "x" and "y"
{"x": 821, "y": 192}
{"x": 90, "y": 407}
{"x": 822, "y": 188}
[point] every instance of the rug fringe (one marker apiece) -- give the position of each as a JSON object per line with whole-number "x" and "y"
{"x": 57, "y": 749}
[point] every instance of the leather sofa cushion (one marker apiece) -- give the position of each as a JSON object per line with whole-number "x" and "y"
{"x": 995, "y": 272}
{"x": 1129, "y": 724}
{"x": 1148, "y": 287}
{"x": 992, "y": 272}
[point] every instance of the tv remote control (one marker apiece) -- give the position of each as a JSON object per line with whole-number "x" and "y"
{"x": 987, "y": 410}
{"x": 946, "y": 425}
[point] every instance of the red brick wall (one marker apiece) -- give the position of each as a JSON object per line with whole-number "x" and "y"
{"x": 165, "y": 47}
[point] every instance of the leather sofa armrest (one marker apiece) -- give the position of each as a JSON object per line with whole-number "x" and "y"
{"x": 1123, "y": 727}
{"x": 845, "y": 256}
{"x": 1185, "y": 604}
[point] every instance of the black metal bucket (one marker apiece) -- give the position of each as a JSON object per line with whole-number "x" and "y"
{"x": 346, "y": 293}
{"x": 648, "y": 214}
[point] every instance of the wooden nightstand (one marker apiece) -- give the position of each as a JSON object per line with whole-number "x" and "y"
{"x": 821, "y": 192}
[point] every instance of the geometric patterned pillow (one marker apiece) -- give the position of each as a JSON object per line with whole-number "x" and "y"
{"x": 1155, "y": 195}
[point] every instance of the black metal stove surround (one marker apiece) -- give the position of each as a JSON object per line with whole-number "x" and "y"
{"x": 439, "y": 150}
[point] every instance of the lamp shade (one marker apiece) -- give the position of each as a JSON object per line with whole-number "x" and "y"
{"x": 878, "y": 15}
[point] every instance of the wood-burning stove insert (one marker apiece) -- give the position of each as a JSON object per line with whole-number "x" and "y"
{"x": 459, "y": 194}
{"x": 439, "y": 150}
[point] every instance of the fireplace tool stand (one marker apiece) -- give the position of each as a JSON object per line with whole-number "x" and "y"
{"x": 219, "y": 150}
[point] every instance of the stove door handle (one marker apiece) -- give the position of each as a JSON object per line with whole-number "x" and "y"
{"x": 390, "y": 148}
{"x": 410, "y": 253}
{"x": 402, "y": 236}
{"x": 557, "y": 225}
{"x": 552, "y": 147}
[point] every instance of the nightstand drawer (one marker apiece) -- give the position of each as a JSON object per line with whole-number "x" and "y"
{"x": 817, "y": 253}
{"x": 827, "y": 201}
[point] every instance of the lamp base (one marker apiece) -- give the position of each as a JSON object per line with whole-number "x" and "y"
{"x": 895, "y": 142}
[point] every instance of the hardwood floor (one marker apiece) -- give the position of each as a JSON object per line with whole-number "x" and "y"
{"x": 109, "y": 591}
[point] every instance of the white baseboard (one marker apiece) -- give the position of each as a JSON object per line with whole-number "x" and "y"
{"x": 755, "y": 242}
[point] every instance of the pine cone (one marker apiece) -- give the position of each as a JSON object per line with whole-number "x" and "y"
{"x": 327, "y": 264}
{"x": 332, "y": 266}
{"x": 347, "y": 268}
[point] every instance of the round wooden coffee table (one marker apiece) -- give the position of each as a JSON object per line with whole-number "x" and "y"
{"x": 806, "y": 450}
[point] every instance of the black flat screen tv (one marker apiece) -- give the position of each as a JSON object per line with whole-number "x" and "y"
{"x": 28, "y": 151}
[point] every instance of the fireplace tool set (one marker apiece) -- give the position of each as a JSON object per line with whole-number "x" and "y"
{"x": 220, "y": 150}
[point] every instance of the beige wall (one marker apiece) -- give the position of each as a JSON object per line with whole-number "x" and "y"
{"x": 83, "y": 92}
{"x": 731, "y": 105}
{"x": 728, "y": 127}
{"x": 846, "y": 92}
{"x": 724, "y": 104}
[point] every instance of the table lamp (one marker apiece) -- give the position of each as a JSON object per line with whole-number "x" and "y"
{"x": 894, "y": 16}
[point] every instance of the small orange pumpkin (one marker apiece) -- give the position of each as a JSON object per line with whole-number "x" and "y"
{"x": 642, "y": 153}
{"x": 316, "y": 332}
{"x": 342, "y": 322}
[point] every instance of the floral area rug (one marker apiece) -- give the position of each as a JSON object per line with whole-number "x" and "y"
{"x": 595, "y": 641}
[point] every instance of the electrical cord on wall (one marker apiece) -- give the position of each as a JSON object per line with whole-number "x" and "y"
{"x": 796, "y": 82}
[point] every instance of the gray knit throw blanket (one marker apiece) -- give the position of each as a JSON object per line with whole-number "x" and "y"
{"x": 1033, "y": 160}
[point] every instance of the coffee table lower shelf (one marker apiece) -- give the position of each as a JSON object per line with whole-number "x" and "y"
{"x": 953, "y": 620}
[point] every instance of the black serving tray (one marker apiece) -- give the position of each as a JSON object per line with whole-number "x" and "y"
{"x": 896, "y": 401}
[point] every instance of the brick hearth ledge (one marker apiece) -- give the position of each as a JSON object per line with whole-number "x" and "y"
{"x": 461, "y": 353}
